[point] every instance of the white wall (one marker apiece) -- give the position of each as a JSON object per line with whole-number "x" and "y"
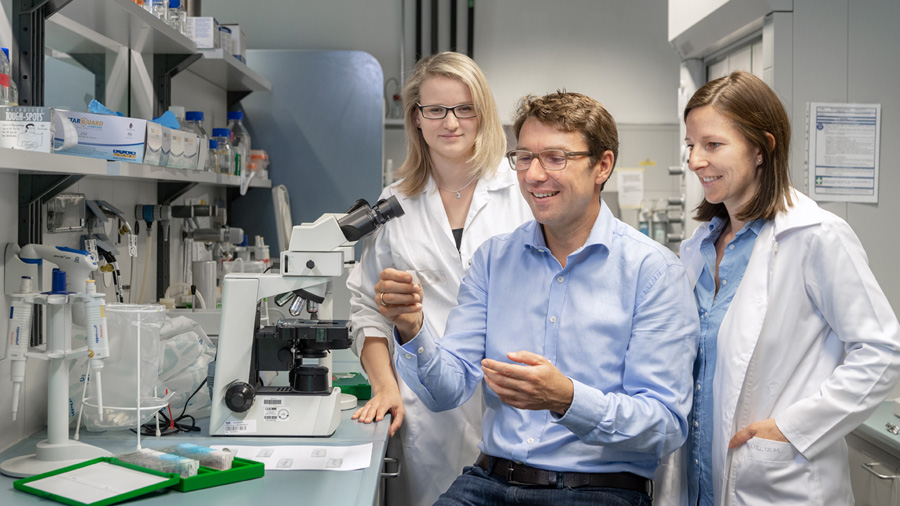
{"x": 582, "y": 45}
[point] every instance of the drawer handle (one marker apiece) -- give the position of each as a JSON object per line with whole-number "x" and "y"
{"x": 870, "y": 467}
{"x": 394, "y": 474}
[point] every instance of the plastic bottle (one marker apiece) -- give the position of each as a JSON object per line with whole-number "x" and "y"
{"x": 160, "y": 9}
{"x": 194, "y": 123}
{"x": 240, "y": 141}
{"x": 226, "y": 154}
{"x": 5, "y": 71}
{"x": 212, "y": 160}
{"x": 177, "y": 15}
{"x": 13, "y": 93}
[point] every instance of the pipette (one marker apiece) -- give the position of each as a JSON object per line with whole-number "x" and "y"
{"x": 98, "y": 340}
{"x": 19, "y": 336}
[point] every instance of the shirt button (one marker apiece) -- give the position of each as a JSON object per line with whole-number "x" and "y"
{"x": 408, "y": 355}
{"x": 530, "y": 440}
{"x": 552, "y": 319}
{"x": 559, "y": 279}
{"x": 696, "y": 423}
{"x": 724, "y": 282}
{"x": 698, "y": 386}
{"x": 696, "y": 461}
{"x": 706, "y": 314}
{"x": 420, "y": 350}
{"x": 731, "y": 246}
{"x": 540, "y": 251}
{"x": 700, "y": 351}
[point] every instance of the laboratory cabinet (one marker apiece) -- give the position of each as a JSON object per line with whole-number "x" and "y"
{"x": 875, "y": 460}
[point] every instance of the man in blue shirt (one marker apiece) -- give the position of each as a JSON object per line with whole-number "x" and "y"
{"x": 583, "y": 330}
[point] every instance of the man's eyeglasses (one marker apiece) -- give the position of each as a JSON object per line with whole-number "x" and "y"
{"x": 550, "y": 159}
{"x": 461, "y": 111}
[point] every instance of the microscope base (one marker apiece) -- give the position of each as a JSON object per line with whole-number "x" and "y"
{"x": 50, "y": 457}
{"x": 277, "y": 412}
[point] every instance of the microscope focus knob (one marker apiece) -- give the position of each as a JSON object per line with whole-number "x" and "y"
{"x": 239, "y": 397}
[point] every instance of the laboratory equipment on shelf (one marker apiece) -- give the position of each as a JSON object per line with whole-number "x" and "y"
{"x": 212, "y": 160}
{"x": 240, "y": 142}
{"x": 222, "y": 136}
{"x": 177, "y": 15}
{"x": 57, "y": 450}
{"x": 193, "y": 122}
{"x": 12, "y": 89}
{"x": 243, "y": 404}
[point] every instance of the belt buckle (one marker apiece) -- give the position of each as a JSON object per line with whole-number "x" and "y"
{"x": 510, "y": 467}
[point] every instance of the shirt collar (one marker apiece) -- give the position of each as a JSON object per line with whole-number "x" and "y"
{"x": 717, "y": 224}
{"x": 601, "y": 233}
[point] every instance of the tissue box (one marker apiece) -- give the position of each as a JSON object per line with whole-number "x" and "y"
{"x": 26, "y": 128}
{"x": 238, "y": 42}
{"x": 106, "y": 137}
{"x": 153, "y": 149}
{"x": 204, "y": 31}
{"x": 183, "y": 150}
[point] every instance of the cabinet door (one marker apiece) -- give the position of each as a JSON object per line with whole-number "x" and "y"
{"x": 874, "y": 474}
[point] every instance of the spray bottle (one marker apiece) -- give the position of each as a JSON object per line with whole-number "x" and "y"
{"x": 98, "y": 339}
{"x": 19, "y": 335}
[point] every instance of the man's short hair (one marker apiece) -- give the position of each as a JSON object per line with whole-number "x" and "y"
{"x": 573, "y": 112}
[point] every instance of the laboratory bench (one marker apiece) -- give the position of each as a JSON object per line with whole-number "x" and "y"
{"x": 361, "y": 487}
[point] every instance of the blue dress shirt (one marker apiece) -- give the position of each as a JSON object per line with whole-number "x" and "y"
{"x": 712, "y": 308}
{"x": 618, "y": 320}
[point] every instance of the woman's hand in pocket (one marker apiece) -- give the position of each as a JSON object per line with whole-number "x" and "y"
{"x": 765, "y": 429}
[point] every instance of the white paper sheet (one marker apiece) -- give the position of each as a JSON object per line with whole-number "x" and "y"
{"x": 302, "y": 457}
{"x": 96, "y": 482}
{"x": 844, "y": 148}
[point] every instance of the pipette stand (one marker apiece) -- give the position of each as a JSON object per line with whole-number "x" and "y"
{"x": 57, "y": 451}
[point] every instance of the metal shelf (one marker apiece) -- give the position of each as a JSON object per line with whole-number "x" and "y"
{"x": 29, "y": 162}
{"x": 228, "y": 72}
{"x": 85, "y": 25}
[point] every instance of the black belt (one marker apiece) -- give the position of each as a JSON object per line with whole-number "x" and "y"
{"x": 520, "y": 474}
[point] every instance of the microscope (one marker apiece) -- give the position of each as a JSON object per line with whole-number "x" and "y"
{"x": 242, "y": 405}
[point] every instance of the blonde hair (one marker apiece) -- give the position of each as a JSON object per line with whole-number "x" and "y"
{"x": 490, "y": 141}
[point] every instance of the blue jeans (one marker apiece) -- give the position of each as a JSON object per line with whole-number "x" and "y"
{"x": 476, "y": 487}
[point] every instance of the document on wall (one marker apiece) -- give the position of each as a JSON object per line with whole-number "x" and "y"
{"x": 844, "y": 148}
{"x": 630, "y": 183}
{"x": 305, "y": 458}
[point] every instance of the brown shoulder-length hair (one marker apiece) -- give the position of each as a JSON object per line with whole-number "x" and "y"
{"x": 490, "y": 141}
{"x": 755, "y": 110}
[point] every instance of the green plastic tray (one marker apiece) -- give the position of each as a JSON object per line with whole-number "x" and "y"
{"x": 24, "y": 483}
{"x": 241, "y": 469}
{"x": 356, "y": 385}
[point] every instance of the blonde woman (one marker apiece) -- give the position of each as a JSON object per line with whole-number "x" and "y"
{"x": 457, "y": 192}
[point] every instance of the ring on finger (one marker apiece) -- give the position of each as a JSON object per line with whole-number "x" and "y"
{"x": 383, "y": 303}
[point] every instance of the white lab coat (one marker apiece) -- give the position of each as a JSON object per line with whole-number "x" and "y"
{"x": 808, "y": 339}
{"x": 436, "y": 446}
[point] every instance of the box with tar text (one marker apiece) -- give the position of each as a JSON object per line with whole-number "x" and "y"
{"x": 106, "y": 137}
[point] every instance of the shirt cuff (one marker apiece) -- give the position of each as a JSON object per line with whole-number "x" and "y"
{"x": 588, "y": 406}
{"x": 417, "y": 351}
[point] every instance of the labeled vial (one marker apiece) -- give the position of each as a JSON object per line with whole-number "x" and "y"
{"x": 212, "y": 161}
{"x": 226, "y": 154}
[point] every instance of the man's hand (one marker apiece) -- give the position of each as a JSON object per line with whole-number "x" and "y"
{"x": 378, "y": 406}
{"x": 765, "y": 429}
{"x": 400, "y": 301}
{"x": 536, "y": 384}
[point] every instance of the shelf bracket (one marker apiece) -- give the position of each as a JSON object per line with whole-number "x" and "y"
{"x": 28, "y": 34}
{"x": 34, "y": 191}
{"x": 165, "y": 67}
{"x": 233, "y": 97}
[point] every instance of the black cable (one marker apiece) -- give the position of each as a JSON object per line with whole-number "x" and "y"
{"x": 173, "y": 427}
